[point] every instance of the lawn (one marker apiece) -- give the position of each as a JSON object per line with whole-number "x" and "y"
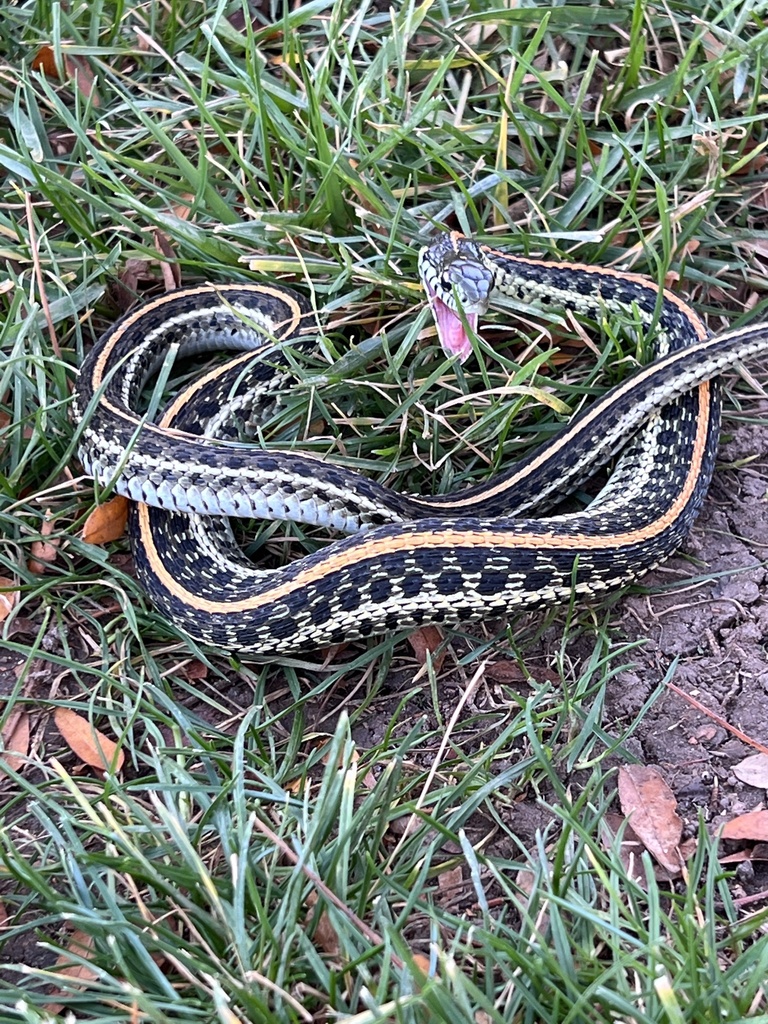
{"x": 414, "y": 828}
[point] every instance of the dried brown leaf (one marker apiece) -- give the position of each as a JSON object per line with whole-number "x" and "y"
{"x": 736, "y": 858}
{"x": 169, "y": 266}
{"x": 757, "y": 852}
{"x": 753, "y": 771}
{"x": 135, "y": 270}
{"x": 448, "y": 882}
{"x": 45, "y": 61}
{"x": 135, "y": 273}
{"x": 427, "y": 639}
{"x": 79, "y": 71}
{"x": 81, "y": 945}
{"x": 76, "y": 69}
{"x": 422, "y": 962}
{"x": 714, "y": 48}
{"x": 753, "y": 825}
{"x": 650, "y": 805}
{"x": 43, "y": 552}
{"x": 195, "y": 670}
{"x": 688, "y": 847}
{"x": 9, "y": 595}
{"x": 505, "y": 671}
{"x": 15, "y": 742}
{"x": 757, "y": 162}
{"x": 324, "y": 935}
{"x": 688, "y": 248}
{"x": 90, "y": 745}
{"x": 107, "y": 522}
{"x": 526, "y": 882}
{"x": 183, "y": 210}
{"x": 631, "y": 849}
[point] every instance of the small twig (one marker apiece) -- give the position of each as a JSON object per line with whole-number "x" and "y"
{"x": 331, "y": 896}
{"x": 438, "y": 758}
{"x": 718, "y": 719}
{"x": 755, "y": 897}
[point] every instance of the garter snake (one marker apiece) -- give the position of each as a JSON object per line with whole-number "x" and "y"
{"x": 408, "y": 560}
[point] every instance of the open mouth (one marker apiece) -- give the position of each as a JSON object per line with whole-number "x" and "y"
{"x": 451, "y": 331}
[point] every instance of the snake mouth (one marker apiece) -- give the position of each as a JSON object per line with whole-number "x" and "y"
{"x": 451, "y": 330}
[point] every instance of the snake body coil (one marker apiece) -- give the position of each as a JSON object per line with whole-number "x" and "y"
{"x": 409, "y": 560}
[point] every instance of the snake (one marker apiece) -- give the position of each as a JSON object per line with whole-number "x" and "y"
{"x": 403, "y": 560}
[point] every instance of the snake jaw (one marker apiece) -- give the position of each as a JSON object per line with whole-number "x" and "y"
{"x": 458, "y": 284}
{"x": 451, "y": 330}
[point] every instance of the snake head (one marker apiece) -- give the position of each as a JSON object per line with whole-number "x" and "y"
{"x": 458, "y": 285}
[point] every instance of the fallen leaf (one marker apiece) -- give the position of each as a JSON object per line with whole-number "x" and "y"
{"x": 736, "y": 858}
{"x": 15, "y": 742}
{"x": 756, "y": 163}
{"x": 631, "y": 848}
{"x": 127, "y": 285}
{"x": 631, "y": 851}
{"x": 79, "y": 70}
{"x": 448, "y": 882}
{"x": 195, "y": 669}
{"x": 704, "y": 734}
{"x": 75, "y": 69}
{"x": 9, "y": 595}
{"x": 688, "y": 847}
{"x": 183, "y": 210}
{"x": 714, "y": 48}
{"x": 324, "y": 936}
{"x": 135, "y": 269}
{"x": 107, "y": 522}
{"x": 169, "y": 266}
{"x": 753, "y": 825}
{"x": 296, "y": 785}
{"x": 81, "y": 945}
{"x": 671, "y": 278}
{"x": 753, "y": 770}
{"x": 45, "y": 61}
{"x": 650, "y": 805}
{"x": 43, "y": 552}
{"x": 422, "y": 962}
{"x": 480, "y": 32}
{"x": 90, "y": 745}
{"x": 688, "y": 248}
{"x": 427, "y": 639}
{"x": 527, "y": 883}
{"x": 505, "y": 671}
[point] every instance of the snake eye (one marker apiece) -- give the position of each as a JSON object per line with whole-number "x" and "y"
{"x": 446, "y": 285}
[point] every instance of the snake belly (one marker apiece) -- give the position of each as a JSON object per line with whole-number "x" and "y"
{"x": 409, "y": 560}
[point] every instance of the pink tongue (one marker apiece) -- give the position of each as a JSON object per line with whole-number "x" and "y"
{"x": 450, "y": 330}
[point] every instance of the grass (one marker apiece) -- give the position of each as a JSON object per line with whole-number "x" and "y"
{"x": 264, "y": 856}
